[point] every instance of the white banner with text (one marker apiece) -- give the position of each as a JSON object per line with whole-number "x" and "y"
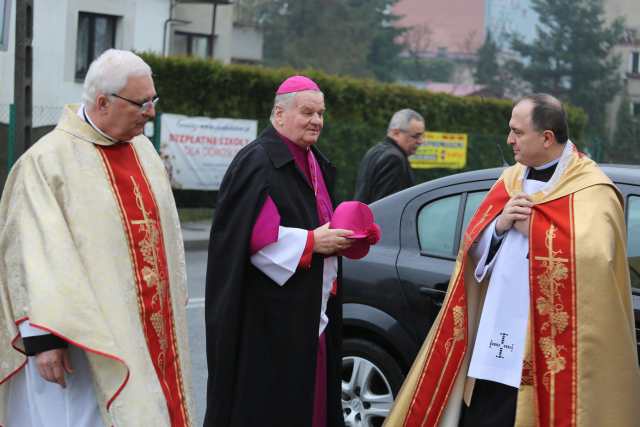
{"x": 198, "y": 150}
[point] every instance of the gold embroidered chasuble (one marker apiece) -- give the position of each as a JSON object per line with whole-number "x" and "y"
{"x": 581, "y": 366}
{"x": 91, "y": 250}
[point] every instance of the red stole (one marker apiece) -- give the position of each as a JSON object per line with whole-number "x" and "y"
{"x": 552, "y": 278}
{"x": 553, "y": 300}
{"x": 141, "y": 221}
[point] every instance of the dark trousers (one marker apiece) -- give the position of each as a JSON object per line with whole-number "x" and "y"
{"x": 492, "y": 405}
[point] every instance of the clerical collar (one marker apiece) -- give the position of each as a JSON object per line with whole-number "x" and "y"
{"x": 292, "y": 144}
{"x": 543, "y": 173}
{"x": 83, "y": 115}
{"x": 299, "y": 155}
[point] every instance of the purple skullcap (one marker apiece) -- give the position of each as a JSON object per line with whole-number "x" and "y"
{"x": 297, "y": 84}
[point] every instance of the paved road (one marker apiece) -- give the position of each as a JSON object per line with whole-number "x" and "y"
{"x": 196, "y": 270}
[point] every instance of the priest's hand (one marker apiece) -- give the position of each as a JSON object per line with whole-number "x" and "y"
{"x": 522, "y": 226}
{"x": 328, "y": 241}
{"x": 53, "y": 364}
{"x": 516, "y": 214}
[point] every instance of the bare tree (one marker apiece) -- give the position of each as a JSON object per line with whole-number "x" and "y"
{"x": 465, "y": 64}
{"x": 417, "y": 40}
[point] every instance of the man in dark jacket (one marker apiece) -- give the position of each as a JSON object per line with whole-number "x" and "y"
{"x": 273, "y": 297}
{"x": 385, "y": 168}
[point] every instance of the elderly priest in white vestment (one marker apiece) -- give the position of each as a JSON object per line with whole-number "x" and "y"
{"x": 92, "y": 272}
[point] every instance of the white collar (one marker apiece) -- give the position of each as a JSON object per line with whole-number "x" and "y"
{"x": 84, "y": 116}
{"x": 563, "y": 162}
{"x": 548, "y": 164}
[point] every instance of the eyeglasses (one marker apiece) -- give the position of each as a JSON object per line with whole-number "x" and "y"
{"x": 417, "y": 136}
{"x": 144, "y": 106}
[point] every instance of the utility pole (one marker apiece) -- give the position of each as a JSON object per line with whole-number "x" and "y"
{"x": 23, "y": 76}
{"x": 215, "y": 4}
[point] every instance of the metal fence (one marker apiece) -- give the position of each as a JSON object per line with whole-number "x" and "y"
{"x": 44, "y": 118}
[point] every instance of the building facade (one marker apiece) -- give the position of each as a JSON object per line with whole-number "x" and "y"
{"x": 69, "y": 34}
{"x": 447, "y": 28}
{"x": 629, "y": 51}
{"x": 236, "y": 40}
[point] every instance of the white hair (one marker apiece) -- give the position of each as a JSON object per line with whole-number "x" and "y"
{"x": 109, "y": 73}
{"x": 402, "y": 118}
{"x": 285, "y": 101}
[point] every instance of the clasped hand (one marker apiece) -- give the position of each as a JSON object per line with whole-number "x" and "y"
{"x": 516, "y": 213}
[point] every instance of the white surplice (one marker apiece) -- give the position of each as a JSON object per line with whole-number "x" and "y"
{"x": 279, "y": 260}
{"x": 500, "y": 342}
{"x": 35, "y": 402}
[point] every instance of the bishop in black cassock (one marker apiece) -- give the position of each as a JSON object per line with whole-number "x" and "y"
{"x": 273, "y": 296}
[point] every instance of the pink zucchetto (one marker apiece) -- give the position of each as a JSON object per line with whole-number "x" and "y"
{"x": 297, "y": 84}
{"x": 357, "y": 217}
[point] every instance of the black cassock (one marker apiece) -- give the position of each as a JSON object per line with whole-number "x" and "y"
{"x": 384, "y": 170}
{"x": 262, "y": 338}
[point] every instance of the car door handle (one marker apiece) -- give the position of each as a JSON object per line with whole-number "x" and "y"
{"x": 431, "y": 292}
{"x": 436, "y": 294}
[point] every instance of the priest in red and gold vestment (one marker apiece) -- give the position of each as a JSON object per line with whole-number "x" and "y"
{"x": 92, "y": 273}
{"x": 537, "y": 327}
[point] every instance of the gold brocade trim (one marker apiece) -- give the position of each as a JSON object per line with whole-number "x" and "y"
{"x": 173, "y": 340}
{"x": 458, "y": 323}
{"x": 458, "y": 335}
{"x": 527, "y": 373}
{"x": 574, "y": 319}
{"x": 550, "y": 305}
{"x": 468, "y": 235}
{"x": 151, "y": 271}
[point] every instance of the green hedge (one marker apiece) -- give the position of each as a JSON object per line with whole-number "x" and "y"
{"x": 358, "y": 111}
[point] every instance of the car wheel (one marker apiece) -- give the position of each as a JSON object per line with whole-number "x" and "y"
{"x": 370, "y": 380}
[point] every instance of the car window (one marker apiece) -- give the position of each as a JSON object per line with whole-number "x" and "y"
{"x": 633, "y": 239}
{"x": 437, "y": 226}
{"x": 471, "y": 205}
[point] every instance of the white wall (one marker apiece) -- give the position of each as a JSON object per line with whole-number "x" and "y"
{"x": 6, "y": 64}
{"x": 229, "y": 42}
{"x": 149, "y": 25}
{"x": 55, "y": 26}
{"x": 246, "y": 44}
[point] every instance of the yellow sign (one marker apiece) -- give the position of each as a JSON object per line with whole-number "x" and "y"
{"x": 441, "y": 150}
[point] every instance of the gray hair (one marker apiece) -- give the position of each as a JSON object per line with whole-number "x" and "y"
{"x": 285, "y": 101}
{"x": 109, "y": 73}
{"x": 402, "y": 118}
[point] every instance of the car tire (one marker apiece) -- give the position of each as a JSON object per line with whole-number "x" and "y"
{"x": 371, "y": 379}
